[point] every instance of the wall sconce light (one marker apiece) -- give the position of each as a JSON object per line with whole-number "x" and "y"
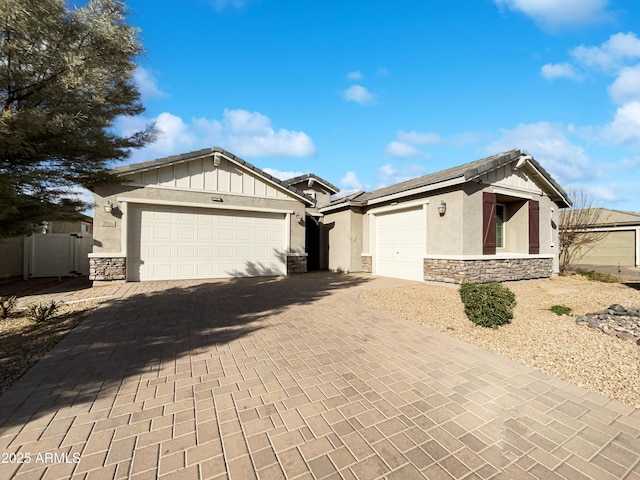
{"x": 442, "y": 208}
{"x": 108, "y": 207}
{"x": 299, "y": 219}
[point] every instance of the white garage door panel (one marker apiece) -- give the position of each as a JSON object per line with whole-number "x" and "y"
{"x": 400, "y": 244}
{"x": 185, "y": 243}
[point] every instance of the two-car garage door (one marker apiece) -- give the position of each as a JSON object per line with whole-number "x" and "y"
{"x": 167, "y": 242}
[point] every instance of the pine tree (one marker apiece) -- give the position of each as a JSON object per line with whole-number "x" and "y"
{"x": 66, "y": 75}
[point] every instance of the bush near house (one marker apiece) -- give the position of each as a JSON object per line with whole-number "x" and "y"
{"x": 560, "y": 310}
{"x": 41, "y": 312}
{"x": 487, "y": 304}
{"x": 7, "y": 304}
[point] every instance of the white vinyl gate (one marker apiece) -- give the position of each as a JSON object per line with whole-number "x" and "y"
{"x": 57, "y": 255}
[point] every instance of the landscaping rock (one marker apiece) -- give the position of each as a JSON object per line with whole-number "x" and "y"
{"x": 616, "y": 321}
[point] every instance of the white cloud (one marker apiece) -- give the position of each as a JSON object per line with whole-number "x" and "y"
{"x": 357, "y": 75}
{"x": 242, "y": 132}
{"x": 282, "y": 175}
{"x": 626, "y": 87}
{"x": 556, "y": 13}
{"x": 351, "y": 182}
{"x": 625, "y": 127}
{"x": 550, "y": 146}
{"x": 417, "y": 138}
{"x": 559, "y": 70}
{"x": 403, "y": 150}
{"x": 407, "y": 143}
{"x": 147, "y": 84}
{"x": 359, "y": 94}
{"x": 602, "y": 193}
{"x": 619, "y": 50}
{"x": 390, "y": 175}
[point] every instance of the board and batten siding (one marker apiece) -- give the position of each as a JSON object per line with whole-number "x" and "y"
{"x": 202, "y": 175}
{"x": 508, "y": 177}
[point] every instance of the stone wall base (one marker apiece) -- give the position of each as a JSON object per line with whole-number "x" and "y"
{"x": 366, "y": 264}
{"x": 490, "y": 270}
{"x": 296, "y": 264}
{"x": 107, "y": 269}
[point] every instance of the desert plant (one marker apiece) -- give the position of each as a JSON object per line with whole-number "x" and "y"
{"x": 7, "y": 304}
{"x": 487, "y": 304}
{"x": 576, "y": 236}
{"x": 43, "y": 311}
{"x": 560, "y": 310}
{"x": 597, "y": 276}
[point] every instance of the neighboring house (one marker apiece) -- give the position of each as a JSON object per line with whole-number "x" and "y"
{"x": 210, "y": 214}
{"x": 57, "y": 248}
{"x": 621, "y": 244}
{"x": 492, "y": 219}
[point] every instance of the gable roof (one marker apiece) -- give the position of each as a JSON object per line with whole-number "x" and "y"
{"x": 209, "y": 152}
{"x": 310, "y": 176}
{"x": 457, "y": 175}
{"x": 616, "y": 218}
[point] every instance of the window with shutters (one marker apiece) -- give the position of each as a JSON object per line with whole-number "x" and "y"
{"x": 510, "y": 225}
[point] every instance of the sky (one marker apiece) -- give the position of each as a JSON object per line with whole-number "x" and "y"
{"x": 367, "y": 93}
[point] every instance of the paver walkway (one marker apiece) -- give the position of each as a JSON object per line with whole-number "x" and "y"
{"x": 295, "y": 378}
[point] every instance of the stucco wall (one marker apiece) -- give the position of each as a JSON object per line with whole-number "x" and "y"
{"x": 445, "y": 233}
{"x": 518, "y": 224}
{"x": 345, "y": 240}
{"x": 108, "y": 226}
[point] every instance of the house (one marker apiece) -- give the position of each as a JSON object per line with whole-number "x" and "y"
{"x": 620, "y": 246}
{"x": 210, "y": 214}
{"x": 203, "y": 214}
{"x": 494, "y": 219}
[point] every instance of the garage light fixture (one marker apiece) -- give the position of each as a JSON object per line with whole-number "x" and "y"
{"x": 442, "y": 208}
{"x": 108, "y": 207}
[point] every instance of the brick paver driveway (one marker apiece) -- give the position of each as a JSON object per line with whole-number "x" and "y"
{"x": 294, "y": 377}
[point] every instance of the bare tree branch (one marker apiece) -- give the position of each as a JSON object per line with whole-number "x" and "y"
{"x": 576, "y": 234}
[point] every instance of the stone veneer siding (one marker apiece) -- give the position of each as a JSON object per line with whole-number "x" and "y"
{"x": 489, "y": 270}
{"x": 296, "y": 264}
{"x": 366, "y": 264}
{"x": 107, "y": 269}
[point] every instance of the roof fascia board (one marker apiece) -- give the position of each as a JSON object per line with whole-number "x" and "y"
{"x": 146, "y": 168}
{"x": 549, "y": 184}
{"x": 417, "y": 191}
{"x": 172, "y": 203}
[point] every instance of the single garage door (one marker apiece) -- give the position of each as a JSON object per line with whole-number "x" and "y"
{"x": 167, "y": 243}
{"x": 400, "y": 244}
{"x": 617, "y": 248}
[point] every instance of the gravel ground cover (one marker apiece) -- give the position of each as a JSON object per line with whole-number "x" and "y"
{"x": 24, "y": 341}
{"x": 536, "y": 336}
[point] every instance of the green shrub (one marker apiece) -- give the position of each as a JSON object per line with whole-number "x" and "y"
{"x": 597, "y": 276}
{"x": 487, "y": 304}
{"x": 7, "y": 304}
{"x": 560, "y": 310}
{"x": 41, "y": 312}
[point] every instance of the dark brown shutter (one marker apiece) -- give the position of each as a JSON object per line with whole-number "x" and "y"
{"x": 488, "y": 223}
{"x": 534, "y": 227}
